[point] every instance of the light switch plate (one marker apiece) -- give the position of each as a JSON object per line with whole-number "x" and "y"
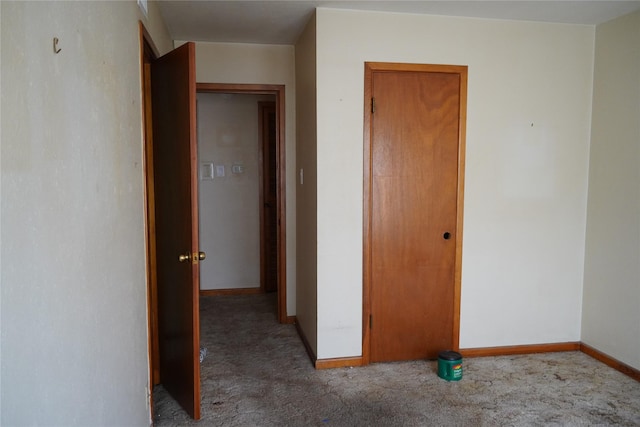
{"x": 206, "y": 171}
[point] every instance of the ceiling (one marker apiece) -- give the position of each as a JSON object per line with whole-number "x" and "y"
{"x": 281, "y": 22}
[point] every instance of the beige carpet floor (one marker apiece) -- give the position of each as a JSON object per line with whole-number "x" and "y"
{"x": 257, "y": 373}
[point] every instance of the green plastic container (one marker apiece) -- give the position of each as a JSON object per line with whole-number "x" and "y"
{"x": 450, "y": 365}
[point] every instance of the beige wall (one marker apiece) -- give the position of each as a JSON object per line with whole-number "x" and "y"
{"x": 611, "y": 309}
{"x": 155, "y": 26}
{"x": 229, "y": 208}
{"x": 74, "y": 320}
{"x": 529, "y": 110}
{"x": 307, "y": 188}
{"x": 261, "y": 64}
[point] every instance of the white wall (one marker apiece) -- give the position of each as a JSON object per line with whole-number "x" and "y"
{"x": 528, "y": 121}
{"x": 261, "y": 64}
{"x": 611, "y": 309}
{"x": 229, "y": 207}
{"x": 307, "y": 189}
{"x": 74, "y": 320}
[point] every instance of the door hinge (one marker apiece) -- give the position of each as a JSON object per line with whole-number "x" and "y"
{"x": 373, "y": 105}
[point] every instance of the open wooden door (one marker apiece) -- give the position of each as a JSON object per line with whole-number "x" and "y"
{"x": 176, "y": 209}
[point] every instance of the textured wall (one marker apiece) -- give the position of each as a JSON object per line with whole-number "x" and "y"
{"x": 228, "y": 134}
{"x": 307, "y": 190}
{"x": 74, "y": 320}
{"x": 528, "y": 122}
{"x": 611, "y": 302}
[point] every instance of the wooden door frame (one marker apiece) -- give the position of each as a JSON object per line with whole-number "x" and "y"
{"x": 263, "y": 106}
{"x": 278, "y": 92}
{"x": 369, "y": 69}
{"x": 148, "y": 54}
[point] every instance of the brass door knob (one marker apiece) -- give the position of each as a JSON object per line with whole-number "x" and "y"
{"x": 201, "y": 255}
{"x": 185, "y": 258}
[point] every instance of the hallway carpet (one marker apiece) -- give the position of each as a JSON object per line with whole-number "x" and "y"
{"x": 257, "y": 373}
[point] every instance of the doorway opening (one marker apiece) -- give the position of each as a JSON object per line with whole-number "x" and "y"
{"x": 273, "y": 113}
{"x": 242, "y": 168}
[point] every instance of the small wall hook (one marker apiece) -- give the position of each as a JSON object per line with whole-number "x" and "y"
{"x": 56, "y": 49}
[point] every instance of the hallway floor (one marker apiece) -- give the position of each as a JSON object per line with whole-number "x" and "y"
{"x": 257, "y": 373}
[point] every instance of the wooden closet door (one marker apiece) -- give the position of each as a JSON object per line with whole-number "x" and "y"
{"x": 414, "y": 150}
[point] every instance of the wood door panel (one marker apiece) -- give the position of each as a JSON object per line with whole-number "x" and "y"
{"x": 413, "y": 185}
{"x": 415, "y": 332}
{"x": 398, "y": 124}
{"x": 405, "y": 236}
{"x": 176, "y": 220}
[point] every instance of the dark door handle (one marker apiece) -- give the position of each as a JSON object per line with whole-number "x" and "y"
{"x": 446, "y": 235}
